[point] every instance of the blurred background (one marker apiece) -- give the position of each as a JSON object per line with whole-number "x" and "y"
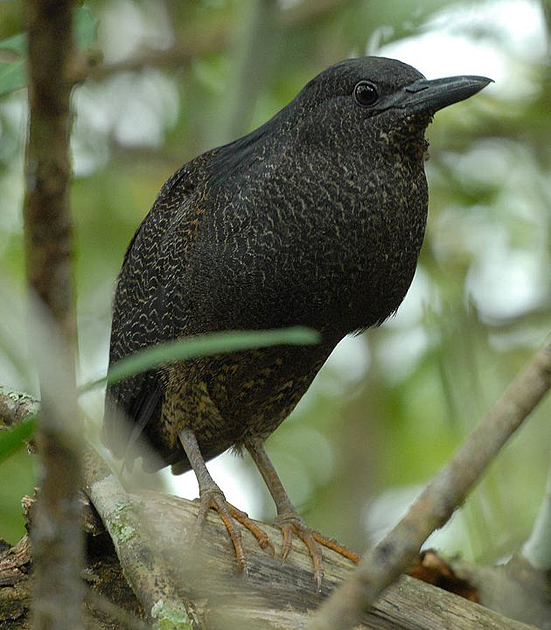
{"x": 392, "y": 405}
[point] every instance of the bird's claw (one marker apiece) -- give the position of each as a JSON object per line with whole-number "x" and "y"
{"x": 260, "y": 535}
{"x": 292, "y": 524}
{"x": 229, "y": 514}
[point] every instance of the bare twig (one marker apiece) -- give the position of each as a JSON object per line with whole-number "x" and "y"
{"x": 177, "y": 56}
{"x": 48, "y": 225}
{"x": 57, "y": 536}
{"x": 396, "y": 552}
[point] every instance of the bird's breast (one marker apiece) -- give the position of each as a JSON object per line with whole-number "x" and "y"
{"x": 335, "y": 252}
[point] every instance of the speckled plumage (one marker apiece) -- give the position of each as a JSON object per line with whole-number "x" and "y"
{"x": 316, "y": 218}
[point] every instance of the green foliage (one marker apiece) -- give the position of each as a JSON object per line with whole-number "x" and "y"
{"x": 203, "y": 345}
{"x": 13, "y": 50}
{"x": 17, "y": 479}
{"x": 13, "y": 63}
{"x": 13, "y": 438}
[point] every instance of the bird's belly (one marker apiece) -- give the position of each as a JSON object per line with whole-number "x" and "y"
{"x": 227, "y": 400}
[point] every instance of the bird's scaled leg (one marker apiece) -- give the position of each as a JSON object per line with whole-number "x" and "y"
{"x": 211, "y": 497}
{"x": 289, "y": 521}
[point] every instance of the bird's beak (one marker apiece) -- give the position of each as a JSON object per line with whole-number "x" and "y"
{"x": 430, "y": 96}
{"x": 424, "y": 96}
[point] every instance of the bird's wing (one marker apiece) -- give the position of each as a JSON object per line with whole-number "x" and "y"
{"x": 141, "y": 317}
{"x": 150, "y": 304}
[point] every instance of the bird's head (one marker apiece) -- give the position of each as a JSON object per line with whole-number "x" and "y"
{"x": 367, "y": 96}
{"x": 368, "y": 106}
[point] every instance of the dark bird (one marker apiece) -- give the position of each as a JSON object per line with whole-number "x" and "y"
{"x": 316, "y": 218}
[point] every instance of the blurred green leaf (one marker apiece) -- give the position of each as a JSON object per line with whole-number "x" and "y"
{"x": 204, "y": 345}
{"x": 13, "y": 439}
{"x": 86, "y": 27}
{"x": 13, "y": 51}
{"x": 13, "y": 58}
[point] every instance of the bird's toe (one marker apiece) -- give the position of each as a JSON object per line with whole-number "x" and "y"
{"x": 215, "y": 500}
{"x": 293, "y": 524}
{"x": 230, "y": 516}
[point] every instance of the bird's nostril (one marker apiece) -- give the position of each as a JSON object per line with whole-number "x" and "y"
{"x": 416, "y": 88}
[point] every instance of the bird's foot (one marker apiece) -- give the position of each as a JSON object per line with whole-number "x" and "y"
{"x": 229, "y": 514}
{"x": 290, "y": 524}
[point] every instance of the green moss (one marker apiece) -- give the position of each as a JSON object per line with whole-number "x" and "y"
{"x": 119, "y": 525}
{"x": 170, "y": 616}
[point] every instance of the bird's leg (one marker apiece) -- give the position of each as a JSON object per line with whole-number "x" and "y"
{"x": 289, "y": 521}
{"x": 211, "y": 497}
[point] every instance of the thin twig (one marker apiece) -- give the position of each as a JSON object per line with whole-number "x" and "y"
{"x": 177, "y": 56}
{"x": 381, "y": 566}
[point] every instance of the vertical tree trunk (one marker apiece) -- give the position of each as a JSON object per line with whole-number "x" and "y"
{"x": 57, "y": 537}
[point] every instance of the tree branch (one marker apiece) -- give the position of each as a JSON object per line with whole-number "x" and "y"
{"x": 145, "y": 571}
{"x": 196, "y": 583}
{"x": 177, "y": 56}
{"x": 57, "y": 536}
{"x": 396, "y": 552}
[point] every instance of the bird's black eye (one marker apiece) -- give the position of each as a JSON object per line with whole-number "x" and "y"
{"x": 365, "y": 93}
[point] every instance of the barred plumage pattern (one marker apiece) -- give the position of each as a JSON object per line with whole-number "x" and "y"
{"x": 316, "y": 218}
